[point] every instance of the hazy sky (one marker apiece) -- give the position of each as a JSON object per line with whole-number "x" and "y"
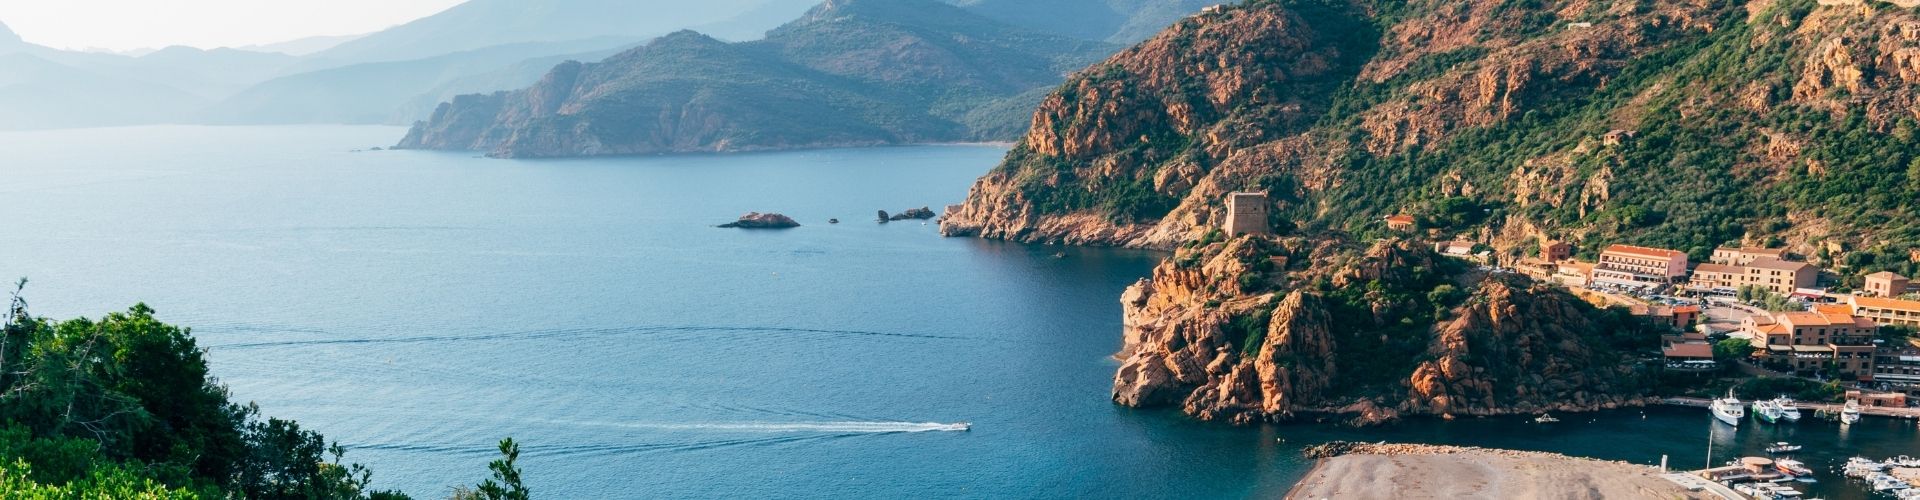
{"x": 132, "y": 24}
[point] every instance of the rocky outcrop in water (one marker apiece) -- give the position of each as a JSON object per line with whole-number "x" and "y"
{"x": 922, "y": 213}
{"x": 1254, "y": 330}
{"x": 757, "y": 220}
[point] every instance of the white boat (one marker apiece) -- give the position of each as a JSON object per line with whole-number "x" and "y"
{"x": 1788, "y": 411}
{"x": 1782, "y": 447}
{"x": 1767, "y": 411}
{"x": 1903, "y": 461}
{"x": 1884, "y": 482}
{"x": 1792, "y": 467}
{"x": 1545, "y": 419}
{"x": 1728, "y": 409}
{"x": 1859, "y": 467}
{"x": 1850, "y": 413}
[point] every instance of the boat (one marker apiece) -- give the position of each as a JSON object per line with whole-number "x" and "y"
{"x": 1903, "y": 461}
{"x": 1850, "y": 413}
{"x": 1788, "y": 411}
{"x": 1859, "y": 467}
{"x": 1782, "y": 447}
{"x": 1885, "y": 482}
{"x": 1792, "y": 467}
{"x": 1766, "y": 411}
{"x": 1728, "y": 409}
{"x": 1545, "y": 419}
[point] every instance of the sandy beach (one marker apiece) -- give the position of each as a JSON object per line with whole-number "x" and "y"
{"x": 1395, "y": 471}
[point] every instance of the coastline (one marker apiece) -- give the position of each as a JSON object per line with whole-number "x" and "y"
{"x": 1360, "y": 470}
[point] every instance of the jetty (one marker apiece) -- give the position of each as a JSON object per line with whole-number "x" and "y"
{"x": 1877, "y": 411}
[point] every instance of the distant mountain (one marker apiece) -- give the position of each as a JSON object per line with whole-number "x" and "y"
{"x": 849, "y": 72}
{"x": 303, "y": 46}
{"x": 479, "y": 24}
{"x": 377, "y": 93}
{"x": 37, "y": 93}
{"x": 1117, "y": 21}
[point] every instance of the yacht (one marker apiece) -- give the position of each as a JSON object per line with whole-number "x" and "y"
{"x": 1792, "y": 467}
{"x": 1788, "y": 411}
{"x": 1767, "y": 411}
{"x": 1782, "y": 447}
{"x": 1728, "y": 409}
{"x": 1850, "y": 413}
{"x": 1545, "y": 419}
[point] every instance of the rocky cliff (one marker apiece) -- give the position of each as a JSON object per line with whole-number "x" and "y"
{"x": 1673, "y": 123}
{"x": 1256, "y": 329}
{"x": 848, "y": 73}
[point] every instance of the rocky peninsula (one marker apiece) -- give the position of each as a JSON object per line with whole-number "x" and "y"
{"x": 1428, "y": 471}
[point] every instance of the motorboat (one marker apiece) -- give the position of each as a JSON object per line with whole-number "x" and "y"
{"x": 1792, "y": 467}
{"x": 1782, "y": 447}
{"x": 1545, "y": 419}
{"x": 1859, "y": 467}
{"x": 1903, "y": 461}
{"x": 1851, "y": 412}
{"x": 1728, "y": 409}
{"x": 1766, "y": 411}
{"x": 1788, "y": 411}
{"x": 1885, "y": 482}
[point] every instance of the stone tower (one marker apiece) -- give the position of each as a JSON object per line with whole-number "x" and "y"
{"x": 1247, "y": 214}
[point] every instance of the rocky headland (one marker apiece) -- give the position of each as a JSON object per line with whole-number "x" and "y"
{"x": 1260, "y": 329}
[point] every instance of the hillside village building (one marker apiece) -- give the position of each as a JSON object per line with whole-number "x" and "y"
{"x": 1556, "y": 251}
{"x": 1813, "y": 341}
{"x": 1745, "y": 255}
{"x": 1733, "y": 268}
{"x": 1886, "y": 284}
{"x": 1632, "y": 266}
{"x": 1886, "y": 311}
{"x": 1400, "y": 222}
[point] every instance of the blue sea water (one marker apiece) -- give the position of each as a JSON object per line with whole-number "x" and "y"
{"x": 419, "y": 306}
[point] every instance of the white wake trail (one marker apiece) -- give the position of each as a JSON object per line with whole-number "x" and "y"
{"x": 791, "y": 427}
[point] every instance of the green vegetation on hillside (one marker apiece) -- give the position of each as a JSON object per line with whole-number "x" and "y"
{"x": 126, "y": 407}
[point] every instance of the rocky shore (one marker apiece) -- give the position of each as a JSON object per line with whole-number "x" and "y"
{"x": 1361, "y": 470}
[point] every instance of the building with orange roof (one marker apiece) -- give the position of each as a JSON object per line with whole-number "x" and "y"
{"x": 1718, "y": 277}
{"x": 1886, "y": 311}
{"x": 1779, "y": 276}
{"x": 1815, "y": 341}
{"x": 1632, "y": 266}
{"x": 1400, "y": 222}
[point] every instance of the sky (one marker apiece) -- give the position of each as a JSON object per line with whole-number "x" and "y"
{"x": 136, "y": 24}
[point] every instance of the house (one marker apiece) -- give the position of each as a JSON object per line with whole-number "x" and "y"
{"x": 1573, "y": 274}
{"x": 1886, "y": 311}
{"x": 1814, "y": 341}
{"x": 1247, "y": 214}
{"x": 1632, "y": 266}
{"x": 1455, "y": 248}
{"x": 1745, "y": 255}
{"x": 1720, "y": 278}
{"x": 1779, "y": 276}
{"x": 1556, "y": 251}
{"x": 1886, "y": 284}
{"x": 1878, "y": 399}
{"x": 1689, "y": 356}
{"x": 1680, "y": 318}
{"x": 1400, "y": 222}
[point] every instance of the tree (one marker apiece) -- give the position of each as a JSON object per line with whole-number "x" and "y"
{"x": 505, "y": 484}
{"x": 1732, "y": 349}
{"x": 1913, "y": 175}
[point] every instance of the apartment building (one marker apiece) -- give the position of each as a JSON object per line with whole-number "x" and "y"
{"x": 1632, "y": 266}
{"x": 1813, "y": 341}
{"x": 1886, "y": 311}
{"x": 1886, "y": 284}
{"x": 1745, "y": 255}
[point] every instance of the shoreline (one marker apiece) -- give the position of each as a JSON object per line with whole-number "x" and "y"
{"x": 1383, "y": 470}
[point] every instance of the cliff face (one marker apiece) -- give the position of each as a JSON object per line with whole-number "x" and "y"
{"x": 1252, "y": 330}
{"x": 1666, "y": 122}
{"x": 849, "y": 73}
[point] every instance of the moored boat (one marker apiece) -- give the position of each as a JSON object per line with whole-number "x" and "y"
{"x": 1728, "y": 409}
{"x": 1788, "y": 410}
{"x": 1545, "y": 419}
{"x": 1850, "y": 413}
{"x": 1792, "y": 467}
{"x": 1766, "y": 411}
{"x": 1782, "y": 447}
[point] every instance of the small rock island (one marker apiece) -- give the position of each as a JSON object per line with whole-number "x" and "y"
{"x": 757, "y": 220}
{"x": 922, "y": 213}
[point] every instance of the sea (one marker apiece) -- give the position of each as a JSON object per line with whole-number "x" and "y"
{"x": 417, "y": 307}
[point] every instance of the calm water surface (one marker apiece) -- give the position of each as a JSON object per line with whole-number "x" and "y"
{"x": 419, "y": 306}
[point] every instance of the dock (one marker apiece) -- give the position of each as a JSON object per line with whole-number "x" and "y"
{"x": 1875, "y": 411}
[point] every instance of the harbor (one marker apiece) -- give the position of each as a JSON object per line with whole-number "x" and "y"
{"x": 1786, "y": 470}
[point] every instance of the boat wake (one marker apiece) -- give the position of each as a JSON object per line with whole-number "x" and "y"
{"x": 791, "y": 427}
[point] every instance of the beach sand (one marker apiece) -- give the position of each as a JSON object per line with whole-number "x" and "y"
{"x": 1423, "y": 471}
